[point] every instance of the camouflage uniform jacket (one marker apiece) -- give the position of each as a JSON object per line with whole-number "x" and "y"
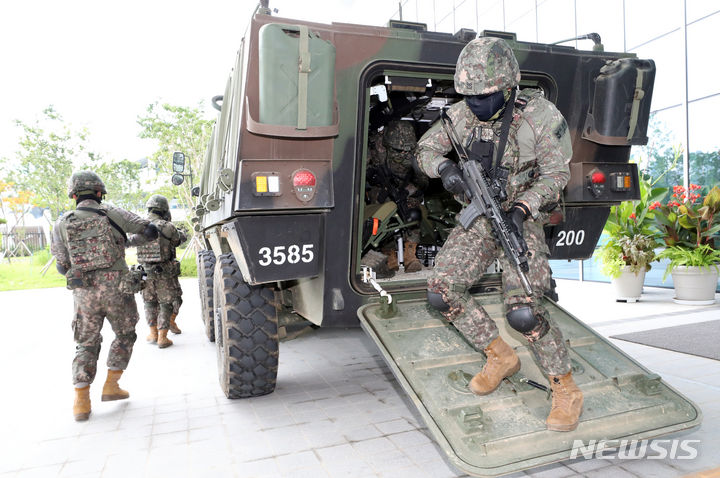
{"x": 537, "y": 154}
{"x": 127, "y": 221}
{"x": 169, "y": 237}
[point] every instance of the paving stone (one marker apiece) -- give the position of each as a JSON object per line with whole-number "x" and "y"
{"x": 337, "y": 411}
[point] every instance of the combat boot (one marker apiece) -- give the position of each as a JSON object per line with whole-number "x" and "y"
{"x": 567, "y": 402}
{"x": 378, "y": 262}
{"x": 173, "y": 326}
{"x": 81, "y": 406}
{"x": 412, "y": 263}
{"x": 163, "y": 341}
{"x": 392, "y": 262}
{"x": 152, "y": 337}
{"x": 502, "y": 361}
{"x": 111, "y": 390}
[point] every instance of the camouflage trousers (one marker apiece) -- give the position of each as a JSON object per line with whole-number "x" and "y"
{"x": 102, "y": 300}
{"x": 465, "y": 257}
{"x": 162, "y": 297}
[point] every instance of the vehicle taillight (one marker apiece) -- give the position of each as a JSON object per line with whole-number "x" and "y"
{"x": 266, "y": 184}
{"x": 598, "y": 177}
{"x": 304, "y": 184}
{"x": 303, "y": 177}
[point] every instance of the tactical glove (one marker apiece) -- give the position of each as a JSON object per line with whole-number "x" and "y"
{"x": 452, "y": 178}
{"x": 518, "y": 214}
{"x": 150, "y": 232}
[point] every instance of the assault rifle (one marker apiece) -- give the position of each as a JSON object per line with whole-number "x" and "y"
{"x": 382, "y": 177}
{"x": 485, "y": 196}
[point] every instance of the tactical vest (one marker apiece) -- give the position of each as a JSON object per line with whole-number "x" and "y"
{"x": 521, "y": 174}
{"x": 91, "y": 243}
{"x": 154, "y": 252}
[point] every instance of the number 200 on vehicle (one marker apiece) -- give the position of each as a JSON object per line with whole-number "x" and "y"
{"x": 570, "y": 238}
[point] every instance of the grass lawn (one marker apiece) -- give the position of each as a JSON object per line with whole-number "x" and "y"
{"x": 25, "y": 272}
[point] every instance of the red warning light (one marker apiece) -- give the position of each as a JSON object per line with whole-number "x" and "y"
{"x": 597, "y": 178}
{"x": 303, "y": 177}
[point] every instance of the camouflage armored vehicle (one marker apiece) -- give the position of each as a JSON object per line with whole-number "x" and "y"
{"x": 287, "y": 215}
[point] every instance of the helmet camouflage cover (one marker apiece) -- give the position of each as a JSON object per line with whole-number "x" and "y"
{"x": 400, "y": 135}
{"x": 85, "y": 181}
{"x": 486, "y": 65}
{"x": 157, "y": 201}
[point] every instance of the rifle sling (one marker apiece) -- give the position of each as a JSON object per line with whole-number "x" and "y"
{"x": 103, "y": 213}
{"x": 504, "y": 132}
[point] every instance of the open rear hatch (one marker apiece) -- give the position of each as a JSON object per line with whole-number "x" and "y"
{"x": 505, "y": 431}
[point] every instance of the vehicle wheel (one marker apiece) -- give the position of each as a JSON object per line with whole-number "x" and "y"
{"x": 246, "y": 332}
{"x": 205, "y": 270}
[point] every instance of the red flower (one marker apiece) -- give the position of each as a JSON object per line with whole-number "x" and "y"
{"x": 632, "y": 216}
{"x": 678, "y": 189}
{"x": 655, "y": 205}
{"x": 695, "y": 187}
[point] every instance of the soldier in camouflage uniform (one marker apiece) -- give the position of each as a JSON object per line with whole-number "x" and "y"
{"x": 162, "y": 293}
{"x": 393, "y": 149}
{"x": 537, "y": 155}
{"x": 89, "y": 246}
{"x": 177, "y": 297}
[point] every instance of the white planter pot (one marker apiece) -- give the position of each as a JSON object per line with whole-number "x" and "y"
{"x": 629, "y": 286}
{"x": 694, "y": 285}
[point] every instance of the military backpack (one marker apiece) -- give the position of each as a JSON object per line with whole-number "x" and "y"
{"x": 153, "y": 251}
{"x": 91, "y": 244}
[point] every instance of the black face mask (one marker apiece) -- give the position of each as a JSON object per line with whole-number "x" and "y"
{"x": 485, "y": 106}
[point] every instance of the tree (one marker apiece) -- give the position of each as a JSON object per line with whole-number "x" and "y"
{"x": 17, "y": 202}
{"x": 49, "y": 153}
{"x": 176, "y": 128}
{"x": 661, "y": 159}
{"x": 48, "y": 149}
{"x": 122, "y": 181}
{"x": 704, "y": 168}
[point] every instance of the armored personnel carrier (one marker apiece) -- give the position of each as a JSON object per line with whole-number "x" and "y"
{"x": 288, "y": 219}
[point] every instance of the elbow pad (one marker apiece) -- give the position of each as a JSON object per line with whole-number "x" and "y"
{"x": 62, "y": 270}
{"x": 150, "y": 232}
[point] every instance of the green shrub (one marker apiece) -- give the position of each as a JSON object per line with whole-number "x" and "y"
{"x": 41, "y": 257}
{"x": 188, "y": 266}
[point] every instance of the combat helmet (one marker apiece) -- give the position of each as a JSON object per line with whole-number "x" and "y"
{"x": 157, "y": 201}
{"x": 86, "y": 182}
{"x": 486, "y": 65}
{"x": 399, "y": 135}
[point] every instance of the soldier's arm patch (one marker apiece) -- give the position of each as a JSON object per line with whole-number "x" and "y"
{"x": 560, "y": 129}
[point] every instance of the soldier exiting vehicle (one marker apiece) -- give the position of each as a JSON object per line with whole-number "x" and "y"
{"x": 537, "y": 150}
{"x": 162, "y": 292}
{"x": 392, "y": 176}
{"x": 89, "y": 246}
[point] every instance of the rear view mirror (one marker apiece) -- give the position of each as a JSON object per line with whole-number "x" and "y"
{"x": 177, "y": 179}
{"x": 178, "y": 163}
{"x": 195, "y": 192}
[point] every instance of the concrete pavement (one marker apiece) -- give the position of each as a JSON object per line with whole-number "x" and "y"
{"x": 337, "y": 410}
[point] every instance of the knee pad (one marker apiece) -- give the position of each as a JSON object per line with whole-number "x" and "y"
{"x": 436, "y": 300}
{"x": 522, "y": 319}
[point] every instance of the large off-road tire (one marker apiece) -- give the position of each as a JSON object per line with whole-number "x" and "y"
{"x": 246, "y": 332}
{"x": 205, "y": 270}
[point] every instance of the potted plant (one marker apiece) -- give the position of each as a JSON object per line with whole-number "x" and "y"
{"x": 631, "y": 243}
{"x": 691, "y": 227}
